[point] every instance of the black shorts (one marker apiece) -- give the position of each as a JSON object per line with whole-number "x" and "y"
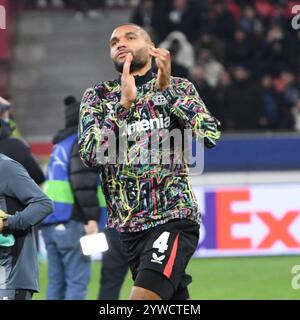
{"x": 158, "y": 257}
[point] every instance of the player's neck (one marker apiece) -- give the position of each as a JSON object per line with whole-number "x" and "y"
{"x": 142, "y": 71}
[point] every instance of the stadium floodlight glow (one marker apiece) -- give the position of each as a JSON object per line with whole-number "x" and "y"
{"x": 93, "y": 243}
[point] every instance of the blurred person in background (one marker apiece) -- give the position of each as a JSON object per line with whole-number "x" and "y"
{"x": 289, "y": 88}
{"x": 296, "y": 115}
{"x": 275, "y": 54}
{"x": 270, "y": 102}
{"x": 242, "y": 49}
{"x": 277, "y": 113}
{"x": 182, "y": 51}
{"x": 212, "y": 67}
{"x": 22, "y": 206}
{"x": 245, "y": 108}
{"x": 150, "y": 14}
{"x": 10, "y": 118}
{"x": 73, "y": 188}
{"x": 77, "y": 212}
{"x": 220, "y": 93}
{"x": 206, "y": 40}
{"x": 183, "y": 17}
{"x": 114, "y": 264}
{"x": 206, "y": 93}
{"x": 15, "y": 148}
{"x": 144, "y": 15}
{"x": 249, "y": 21}
{"x": 223, "y": 22}
{"x": 114, "y": 267}
{"x": 86, "y": 8}
{"x": 54, "y": 3}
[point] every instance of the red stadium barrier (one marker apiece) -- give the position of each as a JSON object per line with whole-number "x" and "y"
{"x": 41, "y": 149}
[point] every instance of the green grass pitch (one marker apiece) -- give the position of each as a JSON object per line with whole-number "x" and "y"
{"x": 219, "y": 278}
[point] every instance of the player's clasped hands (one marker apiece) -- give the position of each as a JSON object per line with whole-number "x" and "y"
{"x": 128, "y": 86}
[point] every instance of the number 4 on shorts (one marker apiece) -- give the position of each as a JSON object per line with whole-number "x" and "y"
{"x": 161, "y": 243}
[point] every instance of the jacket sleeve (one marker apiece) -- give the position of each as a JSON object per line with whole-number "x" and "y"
{"x": 33, "y": 168}
{"x": 95, "y": 127}
{"x": 22, "y": 187}
{"x": 85, "y": 182}
{"x": 19, "y": 151}
{"x": 192, "y": 113}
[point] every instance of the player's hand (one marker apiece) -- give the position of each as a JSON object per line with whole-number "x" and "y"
{"x": 91, "y": 227}
{"x": 128, "y": 87}
{"x": 163, "y": 62}
{"x": 1, "y": 225}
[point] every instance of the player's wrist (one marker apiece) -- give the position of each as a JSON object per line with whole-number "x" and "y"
{"x": 126, "y": 103}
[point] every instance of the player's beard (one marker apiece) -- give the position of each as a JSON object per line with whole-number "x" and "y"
{"x": 140, "y": 59}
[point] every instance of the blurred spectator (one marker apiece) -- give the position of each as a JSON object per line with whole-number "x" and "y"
{"x": 15, "y": 148}
{"x": 54, "y": 3}
{"x": 114, "y": 267}
{"x": 270, "y": 102}
{"x": 286, "y": 85}
{"x": 245, "y": 110}
{"x": 249, "y": 21}
{"x": 296, "y": 115}
{"x": 275, "y": 55}
{"x": 223, "y": 22}
{"x": 221, "y": 102}
{"x": 204, "y": 90}
{"x": 85, "y": 8}
{"x": 26, "y": 206}
{"x": 151, "y": 15}
{"x": 181, "y": 49}
{"x": 212, "y": 67}
{"x": 9, "y": 118}
{"x": 144, "y": 16}
{"x": 183, "y": 17}
{"x": 73, "y": 189}
{"x": 242, "y": 50}
{"x": 206, "y": 40}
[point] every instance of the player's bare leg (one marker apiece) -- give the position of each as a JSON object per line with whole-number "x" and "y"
{"x": 138, "y": 293}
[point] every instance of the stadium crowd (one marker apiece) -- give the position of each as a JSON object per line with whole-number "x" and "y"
{"x": 243, "y": 56}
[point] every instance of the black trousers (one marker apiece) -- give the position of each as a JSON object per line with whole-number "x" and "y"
{"x": 114, "y": 268}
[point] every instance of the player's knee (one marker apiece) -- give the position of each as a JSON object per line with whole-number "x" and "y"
{"x": 138, "y": 293}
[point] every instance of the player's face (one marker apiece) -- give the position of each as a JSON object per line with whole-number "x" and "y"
{"x": 129, "y": 39}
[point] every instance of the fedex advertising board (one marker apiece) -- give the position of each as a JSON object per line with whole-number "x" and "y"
{"x": 254, "y": 220}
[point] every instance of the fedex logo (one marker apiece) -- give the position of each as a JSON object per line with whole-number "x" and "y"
{"x": 252, "y": 218}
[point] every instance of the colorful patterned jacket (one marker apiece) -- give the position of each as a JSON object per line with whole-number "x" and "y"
{"x": 142, "y": 194}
